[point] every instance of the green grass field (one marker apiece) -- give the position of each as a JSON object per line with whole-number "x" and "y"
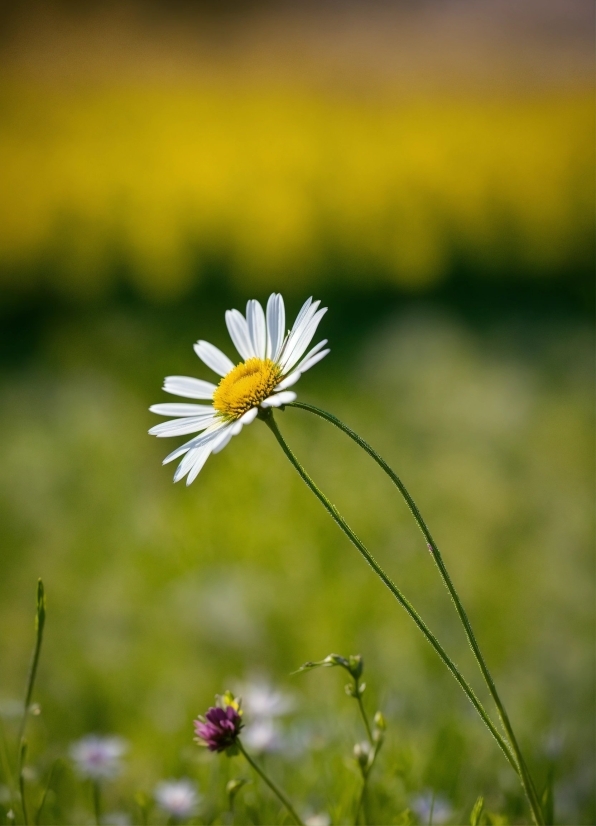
{"x": 160, "y": 596}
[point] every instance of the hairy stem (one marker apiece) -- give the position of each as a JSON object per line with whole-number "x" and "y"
{"x": 340, "y": 521}
{"x": 523, "y": 771}
{"x": 274, "y": 788}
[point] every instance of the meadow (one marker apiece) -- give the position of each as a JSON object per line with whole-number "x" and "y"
{"x": 450, "y": 237}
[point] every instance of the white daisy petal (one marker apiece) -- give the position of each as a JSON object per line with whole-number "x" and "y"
{"x": 280, "y": 399}
{"x": 198, "y": 465}
{"x": 249, "y": 416}
{"x": 188, "y": 461}
{"x": 204, "y": 438}
{"x": 189, "y": 388}
{"x": 311, "y": 352}
{"x": 287, "y": 397}
{"x": 288, "y": 381}
{"x": 305, "y": 338}
{"x": 237, "y": 427}
{"x": 310, "y": 362}
{"x": 304, "y": 318}
{"x": 181, "y": 427}
{"x": 303, "y": 310}
{"x": 255, "y": 318}
{"x": 276, "y": 322}
{"x": 182, "y": 409}
{"x": 238, "y": 330}
{"x": 213, "y": 357}
{"x": 223, "y": 443}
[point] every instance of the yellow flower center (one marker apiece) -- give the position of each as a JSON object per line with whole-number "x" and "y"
{"x": 246, "y": 386}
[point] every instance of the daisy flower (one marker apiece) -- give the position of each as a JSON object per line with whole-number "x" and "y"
{"x": 272, "y": 362}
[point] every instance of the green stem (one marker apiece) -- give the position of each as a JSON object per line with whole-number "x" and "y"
{"x": 358, "y": 695}
{"x": 275, "y": 789}
{"x": 376, "y": 750}
{"x": 361, "y": 801}
{"x": 46, "y": 790}
{"x": 22, "y": 758}
{"x": 96, "y": 792}
{"x": 267, "y": 417}
{"x": 523, "y": 771}
{"x": 338, "y": 518}
{"x": 40, "y": 618}
{"x": 364, "y": 717}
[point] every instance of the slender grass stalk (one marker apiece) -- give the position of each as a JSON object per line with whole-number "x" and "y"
{"x": 375, "y": 749}
{"x": 524, "y": 773}
{"x": 55, "y": 764}
{"x": 40, "y": 618}
{"x": 365, "y": 718}
{"x": 274, "y": 788}
{"x": 96, "y": 792}
{"x": 22, "y": 758}
{"x": 339, "y": 520}
{"x": 432, "y": 810}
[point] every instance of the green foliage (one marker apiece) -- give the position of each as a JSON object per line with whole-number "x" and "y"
{"x": 161, "y": 596}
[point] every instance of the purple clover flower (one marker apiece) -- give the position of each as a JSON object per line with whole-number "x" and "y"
{"x": 220, "y": 727}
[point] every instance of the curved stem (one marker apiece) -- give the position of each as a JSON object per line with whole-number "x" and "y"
{"x": 275, "y": 789}
{"x": 336, "y": 516}
{"x": 524, "y": 773}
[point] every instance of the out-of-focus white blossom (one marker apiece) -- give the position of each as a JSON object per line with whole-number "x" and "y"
{"x": 429, "y": 803}
{"x": 178, "y": 798}
{"x": 260, "y": 699}
{"x": 98, "y": 757}
{"x": 319, "y": 819}
{"x": 262, "y": 736}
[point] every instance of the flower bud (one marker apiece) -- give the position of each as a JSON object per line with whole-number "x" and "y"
{"x": 380, "y": 721}
{"x": 362, "y": 754}
{"x": 335, "y": 659}
{"x": 356, "y": 665}
{"x": 233, "y": 786}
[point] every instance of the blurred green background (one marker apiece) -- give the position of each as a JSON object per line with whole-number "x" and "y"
{"x": 427, "y": 171}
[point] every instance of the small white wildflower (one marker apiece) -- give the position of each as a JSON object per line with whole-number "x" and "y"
{"x": 260, "y": 699}
{"x": 98, "y": 757}
{"x": 262, "y": 736}
{"x": 429, "y": 803}
{"x": 319, "y": 819}
{"x": 178, "y": 798}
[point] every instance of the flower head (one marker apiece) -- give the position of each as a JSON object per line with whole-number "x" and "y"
{"x": 218, "y": 730}
{"x": 98, "y": 757}
{"x": 272, "y": 361}
{"x": 179, "y": 798}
